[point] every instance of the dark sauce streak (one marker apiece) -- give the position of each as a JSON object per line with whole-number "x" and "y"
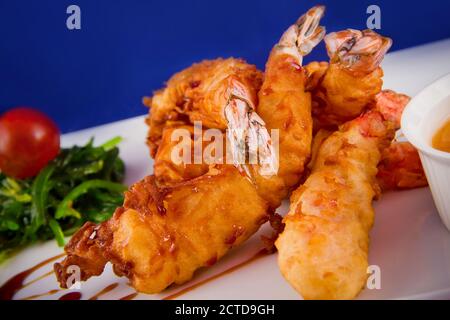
{"x": 14, "y": 284}
{"x": 71, "y": 296}
{"x": 48, "y": 293}
{"x": 45, "y": 275}
{"x": 104, "y": 291}
{"x": 259, "y": 254}
{"x": 130, "y": 296}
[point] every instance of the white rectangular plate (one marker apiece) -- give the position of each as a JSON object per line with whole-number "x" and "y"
{"x": 408, "y": 242}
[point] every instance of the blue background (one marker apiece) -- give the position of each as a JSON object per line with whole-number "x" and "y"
{"x": 126, "y": 49}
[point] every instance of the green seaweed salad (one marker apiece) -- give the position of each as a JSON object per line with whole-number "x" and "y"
{"x": 81, "y": 184}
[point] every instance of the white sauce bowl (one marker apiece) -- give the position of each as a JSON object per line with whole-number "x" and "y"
{"x": 422, "y": 118}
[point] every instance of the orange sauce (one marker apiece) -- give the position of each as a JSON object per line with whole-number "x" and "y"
{"x": 441, "y": 139}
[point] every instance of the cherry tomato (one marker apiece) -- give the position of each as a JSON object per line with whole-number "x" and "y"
{"x": 28, "y": 141}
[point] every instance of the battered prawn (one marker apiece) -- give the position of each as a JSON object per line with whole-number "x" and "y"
{"x": 167, "y": 171}
{"x": 323, "y": 250}
{"x": 348, "y": 84}
{"x": 200, "y": 93}
{"x": 164, "y": 233}
{"x": 219, "y": 94}
{"x": 400, "y": 166}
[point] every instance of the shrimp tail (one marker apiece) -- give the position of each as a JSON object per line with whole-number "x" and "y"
{"x": 357, "y": 51}
{"x": 248, "y": 136}
{"x": 300, "y": 38}
{"x": 250, "y": 141}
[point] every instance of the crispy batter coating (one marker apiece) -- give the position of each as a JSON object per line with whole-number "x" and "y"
{"x": 162, "y": 235}
{"x": 292, "y": 118}
{"x": 166, "y": 231}
{"x": 342, "y": 95}
{"x": 345, "y": 87}
{"x": 165, "y": 170}
{"x": 323, "y": 250}
{"x": 284, "y": 105}
{"x": 399, "y": 168}
{"x": 199, "y": 93}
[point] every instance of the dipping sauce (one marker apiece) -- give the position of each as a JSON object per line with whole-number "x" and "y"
{"x": 441, "y": 139}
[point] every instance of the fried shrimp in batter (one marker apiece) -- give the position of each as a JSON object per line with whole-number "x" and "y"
{"x": 165, "y": 232}
{"x": 323, "y": 250}
{"x": 400, "y": 166}
{"x": 219, "y": 94}
{"x": 348, "y": 84}
{"x": 200, "y": 93}
{"x": 162, "y": 235}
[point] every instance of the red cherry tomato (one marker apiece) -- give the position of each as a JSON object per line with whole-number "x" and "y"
{"x": 28, "y": 141}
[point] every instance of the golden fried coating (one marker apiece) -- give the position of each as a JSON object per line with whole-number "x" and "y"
{"x": 346, "y": 86}
{"x": 323, "y": 250}
{"x": 284, "y": 105}
{"x": 283, "y": 91}
{"x": 162, "y": 235}
{"x": 168, "y": 172}
{"x": 342, "y": 96}
{"x": 399, "y": 168}
{"x": 166, "y": 231}
{"x": 199, "y": 93}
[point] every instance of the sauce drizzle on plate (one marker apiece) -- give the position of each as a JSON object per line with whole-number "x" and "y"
{"x": 15, "y": 283}
{"x": 104, "y": 291}
{"x": 35, "y": 296}
{"x": 130, "y": 296}
{"x": 71, "y": 296}
{"x": 259, "y": 254}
